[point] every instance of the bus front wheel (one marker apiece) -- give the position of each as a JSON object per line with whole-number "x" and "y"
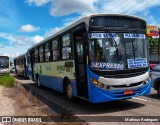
{"x": 69, "y": 92}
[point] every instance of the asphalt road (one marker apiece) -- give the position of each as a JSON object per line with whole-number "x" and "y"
{"x": 140, "y": 106}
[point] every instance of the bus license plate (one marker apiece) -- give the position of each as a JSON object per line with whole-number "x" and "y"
{"x": 128, "y": 92}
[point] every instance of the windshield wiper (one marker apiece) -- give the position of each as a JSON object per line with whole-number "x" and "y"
{"x": 112, "y": 41}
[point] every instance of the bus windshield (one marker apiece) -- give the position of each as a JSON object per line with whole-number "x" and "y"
{"x": 117, "y": 51}
{"x": 4, "y": 62}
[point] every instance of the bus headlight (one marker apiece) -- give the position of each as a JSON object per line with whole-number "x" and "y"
{"x": 99, "y": 84}
{"x": 94, "y": 81}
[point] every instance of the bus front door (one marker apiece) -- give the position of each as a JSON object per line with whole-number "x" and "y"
{"x": 80, "y": 64}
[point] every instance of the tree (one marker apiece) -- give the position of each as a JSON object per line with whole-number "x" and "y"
{"x": 153, "y": 41}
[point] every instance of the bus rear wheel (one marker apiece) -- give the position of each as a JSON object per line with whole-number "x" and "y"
{"x": 69, "y": 92}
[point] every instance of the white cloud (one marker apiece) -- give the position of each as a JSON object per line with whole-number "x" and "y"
{"x": 37, "y": 39}
{"x": 18, "y": 44}
{"x": 15, "y": 39}
{"x": 85, "y": 7}
{"x": 19, "y": 40}
{"x": 38, "y": 2}
{"x": 29, "y": 28}
{"x": 66, "y": 7}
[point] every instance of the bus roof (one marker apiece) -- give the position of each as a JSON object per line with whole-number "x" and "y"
{"x": 4, "y": 56}
{"x": 84, "y": 19}
{"x": 22, "y": 55}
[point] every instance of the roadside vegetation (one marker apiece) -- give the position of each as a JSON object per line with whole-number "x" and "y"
{"x": 7, "y": 80}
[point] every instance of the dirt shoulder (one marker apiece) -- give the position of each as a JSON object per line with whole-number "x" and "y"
{"x": 14, "y": 103}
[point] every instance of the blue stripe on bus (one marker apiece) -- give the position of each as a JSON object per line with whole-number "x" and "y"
{"x": 52, "y": 82}
{"x": 56, "y": 83}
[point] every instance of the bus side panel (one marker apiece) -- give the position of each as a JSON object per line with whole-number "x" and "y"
{"x": 101, "y": 95}
{"x": 56, "y": 83}
{"x": 52, "y": 82}
{"x": 51, "y": 75}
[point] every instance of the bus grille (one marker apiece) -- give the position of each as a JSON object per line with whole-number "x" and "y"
{"x": 124, "y": 75}
{"x": 125, "y": 86}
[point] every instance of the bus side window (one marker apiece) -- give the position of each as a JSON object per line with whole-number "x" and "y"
{"x": 41, "y": 53}
{"x": 36, "y": 55}
{"x": 66, "y": 47}
{"x": 55, "y": 49}
{"x": 47, "y": 51}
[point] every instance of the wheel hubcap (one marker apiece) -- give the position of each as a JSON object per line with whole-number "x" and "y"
{"x": 69, "y": 91}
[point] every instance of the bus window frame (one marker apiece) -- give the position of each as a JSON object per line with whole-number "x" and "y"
{"x": 47, "y": 51}
{"x": 54, "y": 49}
{"x": 66, "y": 46}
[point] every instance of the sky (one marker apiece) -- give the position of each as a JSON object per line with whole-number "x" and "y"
{"x": 24, "y": 23}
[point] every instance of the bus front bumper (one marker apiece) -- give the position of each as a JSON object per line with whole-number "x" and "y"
{"x": 97, "y": 95}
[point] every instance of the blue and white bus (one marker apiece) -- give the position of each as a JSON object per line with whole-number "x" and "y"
{"x": 99, "y": 58}
{"x": 21, "y": 65}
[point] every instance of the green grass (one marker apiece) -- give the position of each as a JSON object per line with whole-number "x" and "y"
{"x": 7, "y": 80}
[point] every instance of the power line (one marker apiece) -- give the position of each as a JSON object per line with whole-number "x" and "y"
{"x": 120, "y": 6}
{"x": 136, "y": 5}
{"x": 143, "y": 6}
{"x": 125, "y": 6}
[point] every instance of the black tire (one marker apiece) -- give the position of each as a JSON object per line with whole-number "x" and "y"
{"x": 69, "y": 92}
{"x": 158, "y": 90}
